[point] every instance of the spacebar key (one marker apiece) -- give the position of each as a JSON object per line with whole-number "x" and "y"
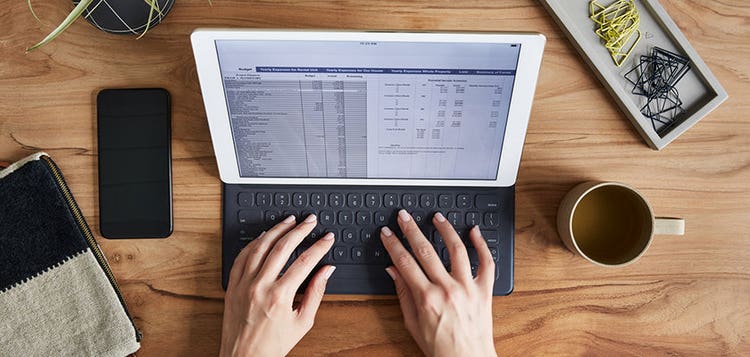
{"x": 367, "y": 272}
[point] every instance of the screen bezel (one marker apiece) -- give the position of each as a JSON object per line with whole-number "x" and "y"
{"x": 217, "y": 113}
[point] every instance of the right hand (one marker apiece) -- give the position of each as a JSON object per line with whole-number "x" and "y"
{"x": 448, "y": 314}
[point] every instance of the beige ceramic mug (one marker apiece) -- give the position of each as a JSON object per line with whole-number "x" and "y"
{"x": 610, "y": 223}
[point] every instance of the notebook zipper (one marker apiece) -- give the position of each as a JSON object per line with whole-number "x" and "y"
{"x": 76, "y": 211}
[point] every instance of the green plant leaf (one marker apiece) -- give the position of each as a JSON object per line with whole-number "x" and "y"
{"x": 152, "y": 4}
{"x": 93, "y": 9}
{"x": 72, "y": 17}
{"x": 28, "y": 2}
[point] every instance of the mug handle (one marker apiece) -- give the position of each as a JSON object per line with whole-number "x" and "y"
{"x": 669, "y": 226}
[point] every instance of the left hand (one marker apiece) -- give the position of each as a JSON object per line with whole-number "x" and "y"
{"x": 259, "y": 316}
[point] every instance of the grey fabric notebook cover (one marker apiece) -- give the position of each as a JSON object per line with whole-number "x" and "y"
{"x": 57, "y": 294}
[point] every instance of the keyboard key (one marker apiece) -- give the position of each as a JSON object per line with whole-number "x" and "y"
{"x": 455, "y": 218}
{"x": 346, "y": 218}
{"x": 316, "y": 233}
{"x": 491, "y": 237}
{"x": 299, "y": 199}
{"x": 306, "y": 213}
{"x": 245, "y": 199}
{"x": 473, "y": 256}
{"x": 409, "y": 200}
{"x": 339, "y": 254}
{"x": 437, "y": 238}
{"x": 487, "y": 202}
{"x": 473, "y": 219}
{"x": 377, "y": 255}
{"x": 336, "y": 235}
{"x": 358, "y": 254}
{"x": 348, "y": 235}
{"x": 366, "y": 235}
{"x": 281, "y": 199}
{"x": 495, "y": 253}
{"x": 364, "y": 218}
{"x": 463, "y": 201}
{"x": 445, "y": 201}
{"x": 273, "y": 217}
{"x": 444, "y": 255}
{"x": 317, "y": 199}
{"x": 263, "y": 199}
{"x": 248, "y": 216}
{"x": 418, "y": 216}
{"x": 491, "y": 219}
{"x": 465, "y": 239}
{"x": 327, "y": 218}
{"x": 336, "y": 200}
{"x": 292, "y": 213}
{"x": 427, "y": 200}
{"x": 306, "y": 243}
{"x": 474, "y": 269}
{"x": 381, "y": 218}
{"x": 372, "y": 200}
{"x": 390, "y": 200}
{"x": 354, "y": 200}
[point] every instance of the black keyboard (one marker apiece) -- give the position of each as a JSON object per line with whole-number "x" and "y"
{"x": 355, "y": 214}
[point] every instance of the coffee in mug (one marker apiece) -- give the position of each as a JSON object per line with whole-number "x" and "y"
{"x": 610, "y": 223}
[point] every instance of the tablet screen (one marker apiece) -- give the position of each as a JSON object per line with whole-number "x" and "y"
{"x": 359, "y": 110}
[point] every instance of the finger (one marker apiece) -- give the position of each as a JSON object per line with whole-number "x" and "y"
{"x": 404, "y": 262}
{"x": 282, "y": 250}
{"x": 405, "y": 298}
{"x": 423, "y": 250}
{"x": 305, "y": 262}
{"x": 257, "y": 253}
{"x": 460, "y": 268}
{"x": 314, "y": 294}
{"x": 238, "y": 267}
{"x": 486, "y": 271}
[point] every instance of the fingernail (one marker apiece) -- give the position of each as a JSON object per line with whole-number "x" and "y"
{"x": 439, "y": 216}
{"x": 329, "y": 272}
{"x": 404, "y": 216}
{"x": 386, "y": 231}
{"x": 389, "y": 270}
{"x": 261, "y": 234}
{"x": 328, "y": 236}
{"x": 289, "y": 219}
{"x": 311, "y": 218}
{"x": 475, "y": 228}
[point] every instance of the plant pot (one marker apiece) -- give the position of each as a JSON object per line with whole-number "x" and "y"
{"x": 127, "y": 17}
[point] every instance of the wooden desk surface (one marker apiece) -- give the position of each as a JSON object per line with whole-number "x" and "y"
{"x": 687, "y": 296}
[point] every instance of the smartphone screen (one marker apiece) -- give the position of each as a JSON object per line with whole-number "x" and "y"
{"x": 135, "y": 171}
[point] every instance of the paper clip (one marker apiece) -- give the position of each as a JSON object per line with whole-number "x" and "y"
{"x": 617, "y": 24}
{"x": 655, "y": 78}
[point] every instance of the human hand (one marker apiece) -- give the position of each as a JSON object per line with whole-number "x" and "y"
{"x": 448, "y": 314}
{"x": 259, "y": 316}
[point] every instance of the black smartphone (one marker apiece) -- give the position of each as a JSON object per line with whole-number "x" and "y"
{"x": 135, "y": 163}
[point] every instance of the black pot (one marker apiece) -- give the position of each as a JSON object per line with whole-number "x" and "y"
{"x": 127, "y": 17}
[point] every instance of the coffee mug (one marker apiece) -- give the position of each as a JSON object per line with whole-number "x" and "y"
{"x": 610, "y": 224}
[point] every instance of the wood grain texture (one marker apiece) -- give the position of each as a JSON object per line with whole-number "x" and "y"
{"x": 687, "y": 296}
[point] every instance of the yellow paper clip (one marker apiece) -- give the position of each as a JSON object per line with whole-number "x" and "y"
{"x": 617, "y": 25}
